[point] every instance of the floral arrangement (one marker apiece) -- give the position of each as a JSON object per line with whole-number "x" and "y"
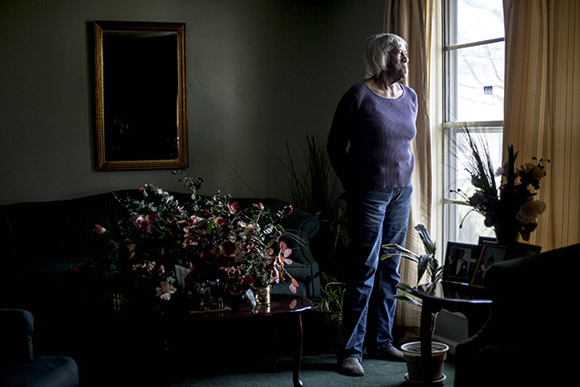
{"x": 204, "y": 249}
{"x": 510, "y": 207}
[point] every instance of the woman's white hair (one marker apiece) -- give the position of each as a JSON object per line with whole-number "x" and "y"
{"x": 379, "y": 46}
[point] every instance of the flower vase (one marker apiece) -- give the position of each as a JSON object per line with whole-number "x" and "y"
{"x": 506, "y": 235}
{"x": 250, "y": 299}
{"x": 263, "y": 295}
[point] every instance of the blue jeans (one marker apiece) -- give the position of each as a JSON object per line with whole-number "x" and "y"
{"x": 376, "y": 217}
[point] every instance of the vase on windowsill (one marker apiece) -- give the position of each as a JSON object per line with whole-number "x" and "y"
{"x": 506, "y": 234}
{"x": 506, "y": 197}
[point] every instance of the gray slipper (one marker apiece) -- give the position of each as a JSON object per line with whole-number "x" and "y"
{"x": 390, "y": 354}
{"x": 351, "y": 366}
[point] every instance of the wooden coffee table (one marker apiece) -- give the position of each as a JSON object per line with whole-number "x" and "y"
{"x": 286, "y": 306}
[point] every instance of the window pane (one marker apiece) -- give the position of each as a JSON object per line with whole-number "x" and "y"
{"x": 464, "y": 225}
{"x": 476, "y": 83}
{"x": 459, "y": 157}
{"x": 475, "y": 20}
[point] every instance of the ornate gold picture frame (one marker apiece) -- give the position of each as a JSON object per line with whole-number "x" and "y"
{"x": 140, "y": 94}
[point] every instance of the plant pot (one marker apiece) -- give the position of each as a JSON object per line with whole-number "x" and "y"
{"x": 324, "y": 331}
{"x": 332, "y": 330}
{"x": 412, "y": 353}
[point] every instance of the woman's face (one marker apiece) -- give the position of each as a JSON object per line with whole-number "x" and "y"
{"x": 398, "y": 64}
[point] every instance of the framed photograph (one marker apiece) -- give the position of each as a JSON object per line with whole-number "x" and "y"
{"x": 460, "y": 261}
{"x": 519, "y": 250}
{"x": 490, "y": 254}
{"x": 486, "y": 239}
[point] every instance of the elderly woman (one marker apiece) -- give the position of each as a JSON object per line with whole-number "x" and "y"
{"x": 369, "y": 147}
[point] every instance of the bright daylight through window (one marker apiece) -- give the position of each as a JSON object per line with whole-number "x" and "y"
{"x": 473, "y": 58}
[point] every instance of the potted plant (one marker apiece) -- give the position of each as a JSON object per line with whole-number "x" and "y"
{"x": 426, "y": 263}
{"x": 331, "y": 294}
{"x": 327, "y": 321}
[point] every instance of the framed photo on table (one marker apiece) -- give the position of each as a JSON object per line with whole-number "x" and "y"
{"x": 519, "y": 250}
{"x": 460, "y": 262}
{"x": 490, "y": 254}
{"x": 486, "y": 239}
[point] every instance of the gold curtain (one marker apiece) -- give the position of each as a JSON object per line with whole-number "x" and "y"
{"x": 542, "y": 107}
{"x": 411, "y": 19}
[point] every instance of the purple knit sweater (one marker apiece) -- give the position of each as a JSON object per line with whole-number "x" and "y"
{"x": 369, "y": 145}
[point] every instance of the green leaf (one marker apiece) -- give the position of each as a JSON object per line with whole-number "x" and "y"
{"x": 412, "y": 258}
{"x": 423, "y": 266}
{"x": 430, "y": 246}
{"x": 406, "y": 298}
{"x": 405, "y": 287}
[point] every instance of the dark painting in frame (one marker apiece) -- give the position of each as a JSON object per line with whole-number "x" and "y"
{"x": 460, "y": 261}
{"x": 140, "y": 95}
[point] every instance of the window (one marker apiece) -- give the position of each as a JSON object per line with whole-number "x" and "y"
{"x": 473, "y": 92}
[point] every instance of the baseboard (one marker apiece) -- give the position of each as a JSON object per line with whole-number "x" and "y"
{"x": 451, "y": 343}
{"x": 451, "y": 329}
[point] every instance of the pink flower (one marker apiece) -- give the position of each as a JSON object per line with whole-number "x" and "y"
{"x": 165, "y": 290}
{"x": 131, "y": 248}
{"x": 288, "y": 209}
{"x": 99, "y": 229}
{"x": 233, "y": 207}
{"x": 144, "y": 222}
{"x": 219, "y": 221}
{"x": 150, "y": 219}
{"x": 139, "y": 220}
{"x": 195, "y": 220}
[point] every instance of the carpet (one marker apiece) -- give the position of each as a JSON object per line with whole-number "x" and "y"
{"x": 316, "y": 370}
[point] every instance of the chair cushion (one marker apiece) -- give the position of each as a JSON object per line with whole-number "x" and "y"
{"x": 45, "y": 371}
{"x": 16, "y": 329}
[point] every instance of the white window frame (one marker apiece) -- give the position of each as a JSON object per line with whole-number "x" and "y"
{"x": 449, "y": 127}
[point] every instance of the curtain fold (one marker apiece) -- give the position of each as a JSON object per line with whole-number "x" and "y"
{"x": 542, "y": 107}
{"x": 411, "y": 19}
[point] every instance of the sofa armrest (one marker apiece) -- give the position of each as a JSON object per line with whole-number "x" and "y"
{"x": 16, "y": 329}
{"x": 300, "y": 227}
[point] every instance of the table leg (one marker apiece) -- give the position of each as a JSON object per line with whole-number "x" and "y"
{"x": 298, "y": 354}
{"x": 425, "y": 332}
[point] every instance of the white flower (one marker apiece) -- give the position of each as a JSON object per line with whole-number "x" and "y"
{"x": 530, "y": 210}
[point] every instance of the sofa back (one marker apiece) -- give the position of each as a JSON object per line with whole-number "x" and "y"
{"x": 40, "y": 238}
{"x": 55, "y": 229}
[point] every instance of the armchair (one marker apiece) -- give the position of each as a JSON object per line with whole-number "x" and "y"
{"x": 18, "y": 367}
{"x": 531, "y": 336}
